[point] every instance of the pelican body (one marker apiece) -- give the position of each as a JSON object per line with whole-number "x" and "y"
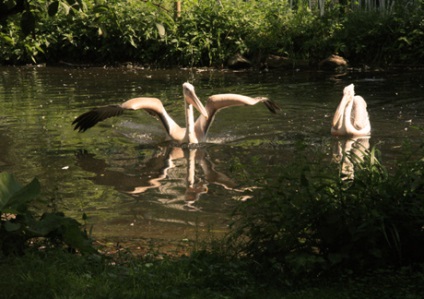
{"x": 351, "y": 116}
{"x": 194, "y": 132}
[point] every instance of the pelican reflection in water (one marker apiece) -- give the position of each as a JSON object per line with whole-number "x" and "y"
{"x": 194, "y": 132}
{"x": 171, "y": 170}
{"x": 348, "y": 151}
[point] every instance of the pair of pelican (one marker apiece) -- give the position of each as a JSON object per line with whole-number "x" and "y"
{"x": 350, "y": 119}
{"x": 195, "y": 131}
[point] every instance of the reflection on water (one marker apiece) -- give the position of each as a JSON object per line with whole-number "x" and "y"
{"x": 348, "y": 151}
{"x": 172, "y": 170}
{"x": 131, "y": 185}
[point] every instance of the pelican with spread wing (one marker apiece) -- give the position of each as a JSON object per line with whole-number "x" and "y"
{"x": 194, "y": 132}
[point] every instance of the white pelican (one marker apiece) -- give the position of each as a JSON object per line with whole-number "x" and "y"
{"x": 351, "y": 117}
{"x": 194, "y": 132}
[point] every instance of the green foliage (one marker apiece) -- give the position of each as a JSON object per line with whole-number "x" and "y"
{"x": 19, "y": 26}
{"x": 312, "y": 221}
{"x": 18, "y": 224}
{"x": 207, "y": 33}
{"x": 375, "y": 38}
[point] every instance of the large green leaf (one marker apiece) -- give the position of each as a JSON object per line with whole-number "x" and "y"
{"x": 8, "y": 187}
{"x": 64, "y": 228}
{"x": 13, "y": 197}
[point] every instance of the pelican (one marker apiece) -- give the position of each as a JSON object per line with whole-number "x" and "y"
{"x": 195, "y": 131}
{"x": 351, "y": 116}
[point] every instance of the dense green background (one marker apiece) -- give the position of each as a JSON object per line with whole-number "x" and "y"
{"x": 207, "y": 33}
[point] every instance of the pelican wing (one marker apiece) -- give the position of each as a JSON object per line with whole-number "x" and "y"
{"x": 95, "y": 115}
{"x": 359, "y": 117}
{"x": 152, "y": 105}
{"x": 221, "y": 101}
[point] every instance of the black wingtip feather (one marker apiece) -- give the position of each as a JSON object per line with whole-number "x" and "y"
{"x": 273, "y": 107}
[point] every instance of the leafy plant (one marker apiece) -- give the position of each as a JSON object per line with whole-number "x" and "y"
{"x": 312, "y": 221}
{"x": 18, "y": 224}
{"x": 207, "y": 33}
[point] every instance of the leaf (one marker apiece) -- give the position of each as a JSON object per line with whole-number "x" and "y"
{"x": 161, "y": 30}
{"x": 66, "y": 7}
{"x": 74, "y": 237}
{"x": 26, "y": 194}
{"x": 101, "y": 8}
{"x": 11, "y": 226}
{"x": 66, "y": 229}
{"x": 13, "y": 196}
{"x": 8, "y": 186}
{"x": 48, "y": 223}
{"x": 7, "y": 39}
{"x": 27, "y": 22}
{"x": 53, "y": 8}
{"x": 132, "y": 42}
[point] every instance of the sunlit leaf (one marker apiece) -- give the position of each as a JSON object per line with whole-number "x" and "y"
{"x": 132, "y": 42}
{"x": 66, "y": 7}
{"x": 7, "y": 39}
{"x": 161, "y": 30}
{"x": 100, "y": 8}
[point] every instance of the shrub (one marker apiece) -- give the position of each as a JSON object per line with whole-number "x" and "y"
{"x": 207, "y": 33}
{"x": 312, "y": 221}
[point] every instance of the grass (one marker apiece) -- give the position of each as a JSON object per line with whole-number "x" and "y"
{"x": 58, "y": 274}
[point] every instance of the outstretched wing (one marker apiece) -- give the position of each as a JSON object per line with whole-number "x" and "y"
{"x": 95, "y": 115}
{"x": 221, "y": 101}
{"x": 152, "y": 105}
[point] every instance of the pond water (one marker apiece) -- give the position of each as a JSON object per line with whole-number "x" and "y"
{"x": 135, "y": 186}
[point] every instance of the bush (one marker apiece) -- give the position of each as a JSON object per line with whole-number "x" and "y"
{"x": 312, "y": 221}
{"x": 207, "y": 33}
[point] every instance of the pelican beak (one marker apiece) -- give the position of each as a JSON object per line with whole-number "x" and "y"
{"x": 192, "y": 99}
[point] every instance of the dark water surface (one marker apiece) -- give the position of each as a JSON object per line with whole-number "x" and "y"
{"x": 134, "y": 185}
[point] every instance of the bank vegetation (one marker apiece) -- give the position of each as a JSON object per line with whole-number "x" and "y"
{"x": 209, "y": 33}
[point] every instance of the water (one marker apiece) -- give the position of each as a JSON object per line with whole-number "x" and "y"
{"x": 134, "y": 186}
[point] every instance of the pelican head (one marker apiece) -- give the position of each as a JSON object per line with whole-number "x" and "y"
{"x": 191, "y": 98}
{"x": 349, "y": 92}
